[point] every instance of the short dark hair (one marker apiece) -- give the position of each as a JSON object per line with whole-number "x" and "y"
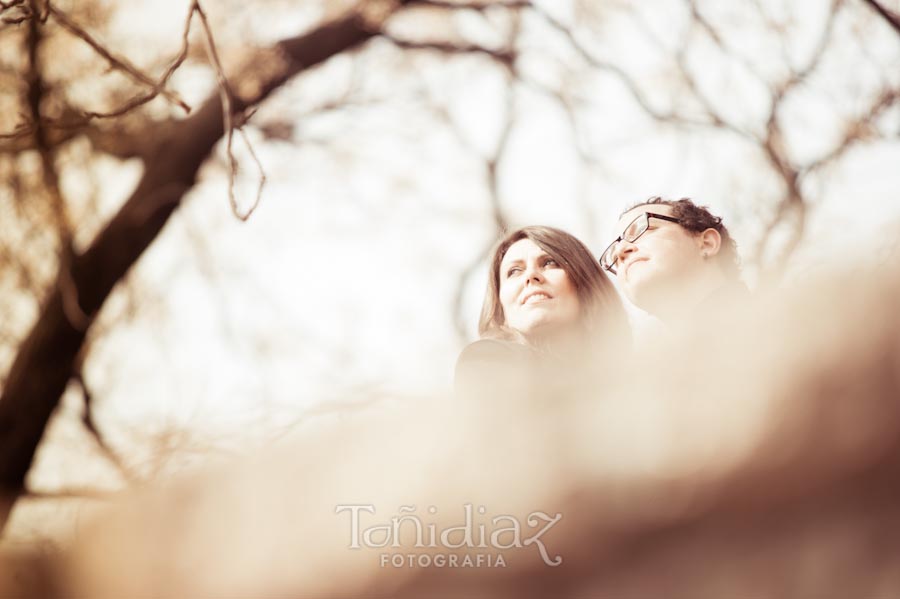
{"x": 697, "y": 219}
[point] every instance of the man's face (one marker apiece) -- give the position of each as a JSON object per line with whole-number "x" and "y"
{"x": 658, "y": 261}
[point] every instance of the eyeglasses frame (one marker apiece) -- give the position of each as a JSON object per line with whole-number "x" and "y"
{"x": 611, "y": 268}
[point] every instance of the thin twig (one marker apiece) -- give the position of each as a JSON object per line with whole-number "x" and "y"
{"x": 69, "y": 493}
{"x": 21, "y": 130}
{"x": 891, "y": 17}
{"x": 157, "y": 87}
{"x": 226, "y": 95}
{"x": 707, "y": 27}
{"x": 502, "y": 56}
{"x": 91, "y": 425}
{"x": 68, "y": 291}
{"x": 479, "y": 6}
{"x": 636, "y": 93}
{"x": 499, "y": 218}
{"x": 824, "y": 38}
{"x": 24, "y": 12}
{"x": 117, "y": 62}
{"x": 856, "y": 130}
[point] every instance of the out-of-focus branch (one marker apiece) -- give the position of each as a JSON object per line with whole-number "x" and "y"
{"x": 122, "y": 142}
{"x": 770, "y": 140}
{"x": 503, "y": 56}
{"x": 630, "y": 84}
{"x": 47, "y": 355}
{"x": 857, "y": 130}
{"x": 819, "y": 50}
{"x": 634, "y": 89}
{"x": 716, "y": 119}
{"x": 58, "y": 131}
{"x": 69, "y": 493}
{"x": 12, "y": 261}
{"x": 123, "y": 64}
{"x": 68, "y": 291}
{"x": 20, "y": 16}
{"x": 891, "y": 17}
{"x": 230, "y": 122}
{"x": 723, "y": 45}
{"x": 589, "y": 161}
{"x": 479, "y": 6}
{"x": 793, "y": 203}
{"x": 499, "y": 219}
{"x": 91, "y": 426}
{"x": 119, "y": 141}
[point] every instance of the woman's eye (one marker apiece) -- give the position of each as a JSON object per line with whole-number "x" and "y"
{"x": 551, "y": 262}
{"x": 513, "y": 271}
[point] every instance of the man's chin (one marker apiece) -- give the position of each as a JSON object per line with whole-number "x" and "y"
{"x": 644, "y": 296}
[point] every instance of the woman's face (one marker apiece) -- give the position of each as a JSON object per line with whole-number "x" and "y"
{"x": 536, "y": 294}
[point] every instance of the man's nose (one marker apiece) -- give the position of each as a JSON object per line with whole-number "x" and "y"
{"x": 625, "y": 248}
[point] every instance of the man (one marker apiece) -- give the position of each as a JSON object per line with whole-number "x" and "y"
{"x": 674, "y": 259}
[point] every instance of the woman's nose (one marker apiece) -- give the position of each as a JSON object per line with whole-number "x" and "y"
{"x": 534, "y": 274}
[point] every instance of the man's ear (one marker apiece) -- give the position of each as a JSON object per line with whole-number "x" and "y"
{"x": 710, "y": 242}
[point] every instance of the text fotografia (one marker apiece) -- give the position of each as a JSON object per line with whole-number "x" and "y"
{"x": 497, "y": 533}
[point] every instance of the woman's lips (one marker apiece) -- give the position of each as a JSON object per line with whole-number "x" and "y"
{"x": 536, "y": 297}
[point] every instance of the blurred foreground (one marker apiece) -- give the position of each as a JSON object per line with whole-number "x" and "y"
{"x": 754, "y": 454}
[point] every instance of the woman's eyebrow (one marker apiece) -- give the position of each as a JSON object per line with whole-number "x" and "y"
{"x": 514, "y": 261}
{"x": 540, "y": 256}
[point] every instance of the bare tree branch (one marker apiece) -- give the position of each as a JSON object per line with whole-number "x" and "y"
{"x": 24, "y": 12}
{"x": 633, "y": 89}
{"x": 891, "y": 17}
{"x": 121, "y": 63}
{"x": 91, "y": 425}
{"x": 69, "y": 493}
{"x": 77, "y": 119}
{"x": 498, "y": 217}
{"x": 230, "y": 125}
{"x": 68, "y": 291}
{"x": 793, "y": 202}
{"x": 502, "y": 56}
{"x": 45, "y": 360}
{"x": 856, "y": 131}
{"x": 708, "y": 28}
{"x": 479, "y": 6}
{"x": 816, "y": 57}
{"x": 232, "y": 122}
{"x": 716, "y": 119}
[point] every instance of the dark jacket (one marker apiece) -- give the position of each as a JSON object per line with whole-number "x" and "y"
{"x": 489, "y": 367}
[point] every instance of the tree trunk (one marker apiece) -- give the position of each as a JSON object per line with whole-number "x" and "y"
{"x": 44, "y": 362}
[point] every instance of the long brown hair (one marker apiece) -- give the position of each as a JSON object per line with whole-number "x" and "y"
{"x": 601, "y": 308}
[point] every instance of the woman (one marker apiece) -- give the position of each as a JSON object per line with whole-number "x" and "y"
{"x": 548, "y": 302}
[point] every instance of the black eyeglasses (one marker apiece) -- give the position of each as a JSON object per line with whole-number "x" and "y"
{"x": 635, "y": 229}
